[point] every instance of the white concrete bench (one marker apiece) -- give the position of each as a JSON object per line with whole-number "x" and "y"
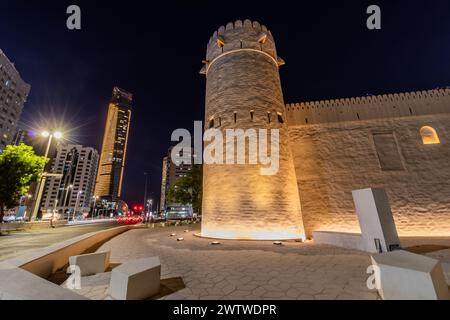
{"x": 91, "y": 263}
{"x": 407, "y": 276}
{"x": 18, "y": 284}
{"x": 136, "y": 279}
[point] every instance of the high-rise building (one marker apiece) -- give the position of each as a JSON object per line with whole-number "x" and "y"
{"x": 75, "y": 190}
{"x": 171, "y": 172}
{"x": 164, "y": 183}
{"x": 20, "y": 137}
{"x": 13, "y": 95}
{"x": 114, "y": 147}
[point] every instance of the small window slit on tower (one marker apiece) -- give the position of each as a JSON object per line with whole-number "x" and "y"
{"x": 280, "y": 118}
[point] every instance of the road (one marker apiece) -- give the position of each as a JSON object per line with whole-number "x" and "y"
{"x": 18, "y": 243}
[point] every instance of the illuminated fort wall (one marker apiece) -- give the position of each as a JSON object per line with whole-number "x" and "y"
{"x": 374, "y": 141}
{"x": 398, "y": 142}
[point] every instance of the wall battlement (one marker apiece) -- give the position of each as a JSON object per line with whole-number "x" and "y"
{"x": 370, "y": 107}
{"x": 240, "y": 36}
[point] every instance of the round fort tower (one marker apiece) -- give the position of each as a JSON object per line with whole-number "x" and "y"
{"x": 243, "y": 91}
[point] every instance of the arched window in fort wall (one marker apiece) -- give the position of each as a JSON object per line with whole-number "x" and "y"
{"x": 429, "y": 135}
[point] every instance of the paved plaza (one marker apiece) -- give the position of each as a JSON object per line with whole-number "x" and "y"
{"x": 195, "y": 269}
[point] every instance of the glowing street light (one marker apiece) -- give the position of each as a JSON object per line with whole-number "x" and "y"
{"x": 50, "y": 136}
{"x": 57, "y": 135}
{"x": 41, "y": 183}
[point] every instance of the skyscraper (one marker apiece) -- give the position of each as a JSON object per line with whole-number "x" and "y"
{"x": 114, "y": 147}
{"x": 171, "y": 172}
{"x": 13, "y": 95}
{"x": 75, "y": 190}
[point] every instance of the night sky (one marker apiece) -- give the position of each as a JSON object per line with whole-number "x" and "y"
{"x": 155, "y": 52}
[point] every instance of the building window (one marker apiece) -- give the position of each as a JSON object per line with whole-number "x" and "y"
{"x": 269, "y": 117}
{"x": 251, "y": 114}
{"x": 429, "y": 135}
{"x": 211, "y": 123}
{"x": 280, "y": 118}
{"x": 235, "y": 117}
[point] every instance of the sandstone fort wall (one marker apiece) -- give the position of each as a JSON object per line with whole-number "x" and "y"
{"x": 376, "y": 142}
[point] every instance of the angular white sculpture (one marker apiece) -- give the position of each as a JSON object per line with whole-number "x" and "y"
{"x": 136, "y": 279}
{"x": 404, "y": 275}
{"x": 91, "y": 263}
{"x": 378, "y": 230}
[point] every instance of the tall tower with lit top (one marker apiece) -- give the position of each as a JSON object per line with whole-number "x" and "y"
{"x": 243, "y": 91}
{"x": 114, "y": 147}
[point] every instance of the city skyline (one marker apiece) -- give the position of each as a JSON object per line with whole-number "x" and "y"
{"x": 317, "y": 63}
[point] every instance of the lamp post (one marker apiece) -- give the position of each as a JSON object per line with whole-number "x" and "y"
{"x": 41, "y": 183}
{"x": 76, "y": 204}
{"x": 150, "y": 202}
{"x": 145, "y": 196}
{"x": 94, "y": 198}
{"x": 70, "y": 186}
{"x": 53, "y": 214}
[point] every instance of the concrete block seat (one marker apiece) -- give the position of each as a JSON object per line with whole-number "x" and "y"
{"x": 91, "y": 263}
{"x": 19, "y": 284}
{"x": 407, "y": 276}
{"x": 136, "y": 279}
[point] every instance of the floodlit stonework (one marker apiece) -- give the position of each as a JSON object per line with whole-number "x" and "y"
{"x": 243, "y": 91}
{"x": 336, "y": 152}
{"x": 397, "y": 142}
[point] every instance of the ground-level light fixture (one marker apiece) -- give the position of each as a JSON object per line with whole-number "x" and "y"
{"x": 180, "y": 239}
{"x": 215, "y": 243}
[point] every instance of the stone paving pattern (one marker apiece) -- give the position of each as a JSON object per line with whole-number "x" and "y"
{"x": 241, "y": 270}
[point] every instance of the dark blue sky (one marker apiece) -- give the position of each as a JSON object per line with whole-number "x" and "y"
{"x": 155, "y": 51}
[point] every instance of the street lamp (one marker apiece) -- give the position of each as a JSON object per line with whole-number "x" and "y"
{"x": 76, "y": 204}
{"x": 70, "y": 186}
{"x": 150, "y": 202}
{"x": 50, "y": 136}
{"x": 94, "y": 208}
{"x": 41, "y": 183}
{"x": 57, "y": 135}
{"x": 53, "y": 214}
{"x": 149, "y": 215}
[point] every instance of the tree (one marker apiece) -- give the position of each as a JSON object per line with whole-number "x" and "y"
{"x": 19, "y": 166}
{"x": 188, "y": 189}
